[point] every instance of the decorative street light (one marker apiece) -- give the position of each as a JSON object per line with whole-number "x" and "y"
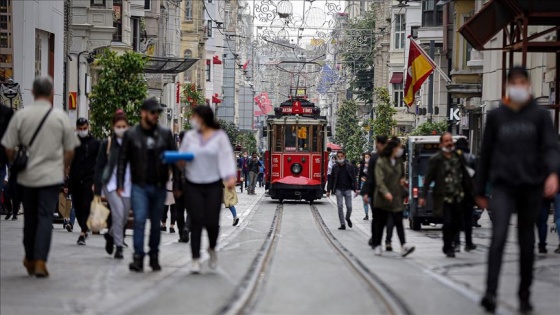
{"x": 284, "y": 9}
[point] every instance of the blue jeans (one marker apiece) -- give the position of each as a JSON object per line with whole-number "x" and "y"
{"x": 344, "y": 197}
{"x": 546, "y": 206}
{"x": 147, "y": 202}
{"x": 366, "y": 205}
{"x": 233, "y": 211}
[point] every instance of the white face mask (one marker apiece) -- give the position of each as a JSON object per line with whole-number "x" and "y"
{"x": 400, "y": 152}
{"x": 83, "y": 133}
{"x": 119, "y": 132}
{"x": 194, "y": 124}
{"x": 341, "y": 161}
{"x": 518, "y": 94}
{"x": 447, "y": 149}
{"x": 366, "y": 159}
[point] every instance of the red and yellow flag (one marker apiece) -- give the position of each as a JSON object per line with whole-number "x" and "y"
{"x": 419, "y": 68}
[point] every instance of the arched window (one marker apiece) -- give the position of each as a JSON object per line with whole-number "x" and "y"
{"x": 188, "y": 72}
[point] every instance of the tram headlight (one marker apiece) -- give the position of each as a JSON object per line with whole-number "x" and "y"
{"x": 296, "y": 168}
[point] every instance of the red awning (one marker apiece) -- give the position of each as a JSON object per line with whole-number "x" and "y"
{"x": 397, "y": 78}
{"x": 216, "y": 100}
{"x": 216, "y": 60}
{"x": 333, "y": 146}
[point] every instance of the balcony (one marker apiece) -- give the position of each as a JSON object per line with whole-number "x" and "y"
{"x": 476, "y": 59}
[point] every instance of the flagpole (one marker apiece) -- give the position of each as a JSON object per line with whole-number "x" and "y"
{"x": 441, "y": 73}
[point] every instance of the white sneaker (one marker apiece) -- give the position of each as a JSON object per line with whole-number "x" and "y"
{"x": 195, "y": 268}
{"x": 406, "y": 250}
{"x": 213, "y": 262}
{"x": 377, "y": 251}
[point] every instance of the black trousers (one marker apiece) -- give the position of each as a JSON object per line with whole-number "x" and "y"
{"x": 380, "y": 218}
{"x": 182, "y": 226}
{"x": 524, "y": 200}
{"x": 173, "y": 209}
{"x": 454, "y": 218}
{"x": 39, "y": 204}
{"x": 82, "y": 195}
{"x": 466, "y": 226}
{"x": 14, "y": 196}
{"x": 204, "y": 202}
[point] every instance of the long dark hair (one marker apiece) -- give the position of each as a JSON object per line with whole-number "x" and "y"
{"x": 390, "y": 146}
{"x": 207, "y": 115}
{"x": 119, "y": 115}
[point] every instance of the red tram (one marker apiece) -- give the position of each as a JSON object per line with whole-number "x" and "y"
{"x": 296, "y": 160}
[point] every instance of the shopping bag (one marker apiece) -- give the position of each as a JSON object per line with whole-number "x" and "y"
{"x": 98, "y": 215}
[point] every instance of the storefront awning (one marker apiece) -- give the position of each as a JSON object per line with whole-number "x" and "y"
{"x": 216, "y": 100}
{"x": 396, "y": 78}
{"x": 216, "y": 60}
{"x": 168, "y": 65}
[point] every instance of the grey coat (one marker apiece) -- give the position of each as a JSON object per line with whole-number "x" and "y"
{"x": 388, "y": 180}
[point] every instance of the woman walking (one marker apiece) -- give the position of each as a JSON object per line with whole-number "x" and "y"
{"x": 106, "y": 182}
{"x": 230, "y": 200}
{"x": 363, "y": 177}
{"x": 204, "y": 175}
{"x": 169, "y": 207}
{"x": 389, "y": 194}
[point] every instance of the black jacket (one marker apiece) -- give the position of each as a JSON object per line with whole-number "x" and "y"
{"x": 134, "y": 151}
{"x": 254, "y": 166}
{"x": 6, "y": 114}
{"x": 436, "y": 174}
{"x": 518, "y": 148}
{"x": 369, "y": 185}
{"x": 85, "y": 158}
{"x": 106, "y": 164}
{"x": 350, "y": 171}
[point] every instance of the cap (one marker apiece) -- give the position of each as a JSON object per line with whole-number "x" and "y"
{"x": 81, "y": 121}
{"x": 151, "y": 105}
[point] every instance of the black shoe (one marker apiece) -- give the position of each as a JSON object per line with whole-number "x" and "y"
{"x": 370, "y": 242}
{"x": 186, "y": 235}
{"x": 171, "y": 230}
{"x": 477, "y": 225}
{"x": 163, "y": 229}
{"x": 8, "y": 216}
{"x": 81, "y": 240}
{"x": 137, "y": 264}
{"x": 470, "y": 247}
{"x": 366, "y": 218}
{"x": 235, "y": 221}
{"x": 489, "y": 303}
{"x": 109, "y": 243}
{"x": 69, "y": 227}
{"x": 125, "y": 244}
{"x": 154, "y": 262}
{"x": 342, "y": 227}
{"x": 14, "y": 218}
{"x": 450, "y": 254}
{"x": 388, "y": 247}
{"x": 542, "y": 249}
{"x": 119, "y": 253}
{"x": 349, "y": 223}
{"x": 525, "y": 306}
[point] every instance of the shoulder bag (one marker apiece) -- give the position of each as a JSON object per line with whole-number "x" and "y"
{"x": 22, "y": 154}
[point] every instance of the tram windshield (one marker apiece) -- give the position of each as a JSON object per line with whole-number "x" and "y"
{"x": 297, "y": 138}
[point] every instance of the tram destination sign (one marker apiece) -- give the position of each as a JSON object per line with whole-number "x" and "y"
{"x": 297, "y": 110}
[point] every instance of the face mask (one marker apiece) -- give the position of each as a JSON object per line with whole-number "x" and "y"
{"x": 119, "y": 132}
{"x": 194, "y": 124}
{"x": 518, "y": 94}
{"x": 400, "y": 152}
{"x": 83, "y": 133}
{"x": 366, "y": 159}
{"x": 340, "y": 161}
{"x": 447, "y": 149}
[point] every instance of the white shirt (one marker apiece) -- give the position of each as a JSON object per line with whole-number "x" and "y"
{"x": 212, "y": 157}
{"x": 112, "y": 184}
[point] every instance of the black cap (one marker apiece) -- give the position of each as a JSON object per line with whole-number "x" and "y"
{"x": 151, "y": 105}
{"x": 81, "y": 121}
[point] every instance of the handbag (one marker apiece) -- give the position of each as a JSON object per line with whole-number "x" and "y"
{"x": 98, "y": 215}
{"x": 22, "y": 154}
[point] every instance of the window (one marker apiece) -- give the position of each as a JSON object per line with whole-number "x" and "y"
{"x": 467, "y": 49}
{"x": 188, "y": 10}
{"x": 432, "y": 14}
{"x": 208, "y": 69}
{"x": 209, "y": 1}
{"x": 398, "y": 94}
{"x": 414, "y": 31}
{"x": 97, "y": 3}
{"x": 38, "y": 53}
{"x": 135, "y": 26}
{"x": 117, "y": 20}
{"x": 147, "y": 4}
{"x": 188, "y": 72}
{"x": 209, "y": 26}
{"x": 399, "y": 31}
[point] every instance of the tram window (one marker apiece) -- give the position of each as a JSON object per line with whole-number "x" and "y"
{"x": 277, "y": 134}
{"x": 303, "y": 135}
{"x": 290, "y": 137}
{"x": 316, "y": 140}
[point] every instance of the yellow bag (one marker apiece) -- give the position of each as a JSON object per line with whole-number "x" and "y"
{"x": 98, "y": 215}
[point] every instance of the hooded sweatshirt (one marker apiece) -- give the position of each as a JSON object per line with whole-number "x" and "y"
{"x": 518, "y": 148}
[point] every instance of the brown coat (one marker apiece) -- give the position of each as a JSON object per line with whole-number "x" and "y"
{"x": 388, "y": 180}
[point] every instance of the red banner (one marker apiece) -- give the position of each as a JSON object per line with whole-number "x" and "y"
{"x": 178, "y": 93}
{"x": 264, "y": 103}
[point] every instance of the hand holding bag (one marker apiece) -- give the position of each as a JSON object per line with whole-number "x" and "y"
{"x": 98, "y": 215}
{"x": 22, "y": 155}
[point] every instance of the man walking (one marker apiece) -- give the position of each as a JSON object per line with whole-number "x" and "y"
{"x": 6, "y": 114}
{"x": 343, "y": 183}
{"x": 81, "y": 176}
{"x": 452, "y": 195}
{"x": 519, "y": 158}
{"x": 242, "y": 163}
{"x": 142, "y": 147}
{"x": 254, "y": 167}
{"x": 50, "y": 141}
{"x": 368, "y": 189}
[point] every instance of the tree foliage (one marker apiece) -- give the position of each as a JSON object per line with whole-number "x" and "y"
{"x": 231, "y": 130}
{"x": 430, "y": 128}
{"x": 347, "y": 122}
{"x": 248, "y": 141}
{"x": 384, "y": 121}
{"x": 356, "y": 145}
{"x": 192, "y": 97}
{"x": 120, "y": 85}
